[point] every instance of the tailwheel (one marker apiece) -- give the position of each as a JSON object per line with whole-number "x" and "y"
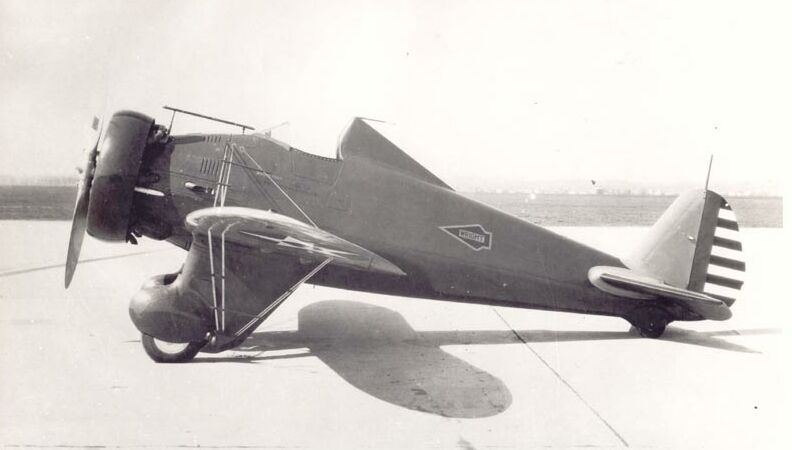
{"x": 650, "y": 321}
{"x": 170, "y": 352}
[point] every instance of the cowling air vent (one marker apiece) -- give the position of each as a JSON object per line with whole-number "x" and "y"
{"x": 210, "y": 166}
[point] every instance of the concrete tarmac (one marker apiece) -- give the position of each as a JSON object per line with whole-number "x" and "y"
{"x": 340, "y": 369}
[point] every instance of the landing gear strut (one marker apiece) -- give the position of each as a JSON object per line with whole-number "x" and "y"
{"x": 650, "y": 321}
{"x": 169, "y": 352}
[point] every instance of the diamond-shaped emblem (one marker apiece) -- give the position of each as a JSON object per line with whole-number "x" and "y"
{"x": 474, "y": 236}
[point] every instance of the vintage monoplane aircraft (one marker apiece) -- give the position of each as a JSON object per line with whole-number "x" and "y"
{"x": 260, "y": 218}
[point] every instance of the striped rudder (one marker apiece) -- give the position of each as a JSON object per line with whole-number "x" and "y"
{"x": 721, "y": 271}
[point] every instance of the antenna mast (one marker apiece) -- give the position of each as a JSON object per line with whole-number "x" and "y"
{"x": 709, "y": 169}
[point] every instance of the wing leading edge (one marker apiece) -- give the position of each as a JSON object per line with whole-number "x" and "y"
{"x": 281, "y": 234}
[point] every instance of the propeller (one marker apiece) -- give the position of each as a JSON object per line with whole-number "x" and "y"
{"x": 80, "y": 216}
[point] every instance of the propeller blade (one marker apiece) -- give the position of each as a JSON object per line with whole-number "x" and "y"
{"x": 79, "y": 224}
{"x": 80, "y": 216}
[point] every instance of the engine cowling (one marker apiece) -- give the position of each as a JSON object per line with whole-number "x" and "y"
{"x": 117, "y": 168}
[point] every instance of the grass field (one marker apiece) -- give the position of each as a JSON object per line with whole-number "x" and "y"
{"x": 56, "y": 203}
{"x": 37, "y": 202}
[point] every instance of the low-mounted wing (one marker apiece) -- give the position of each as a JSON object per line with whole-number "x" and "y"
{"x": 281, "y": 234}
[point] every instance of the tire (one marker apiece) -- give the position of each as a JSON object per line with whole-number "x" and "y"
{"x": 653, "y": 331}
{"x": 650, "y": 322}
{"x": 167, "y": 352}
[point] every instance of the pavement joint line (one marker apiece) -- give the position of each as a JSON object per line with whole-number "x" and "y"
{"x": 82, "y": 261}
{"x": 560, "y": 378}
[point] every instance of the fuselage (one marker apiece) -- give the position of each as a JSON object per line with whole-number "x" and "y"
{"x": 449, "y": 246}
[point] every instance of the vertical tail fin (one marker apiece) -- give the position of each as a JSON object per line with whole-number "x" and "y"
{"x": 694, "y": 245}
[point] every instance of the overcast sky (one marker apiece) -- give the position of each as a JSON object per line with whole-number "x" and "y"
{"x": 506, "y": 91}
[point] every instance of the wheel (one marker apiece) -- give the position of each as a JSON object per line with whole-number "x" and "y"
{"x": 650, "y": 322}
{"x": 169, "y": 352}
{"x": 653, "y": 330}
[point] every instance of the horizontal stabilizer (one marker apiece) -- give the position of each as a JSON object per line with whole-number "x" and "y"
{"x": 626, "y": 283}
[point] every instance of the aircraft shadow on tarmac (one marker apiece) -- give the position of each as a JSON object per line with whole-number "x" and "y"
{"x": 376, "y": 350}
